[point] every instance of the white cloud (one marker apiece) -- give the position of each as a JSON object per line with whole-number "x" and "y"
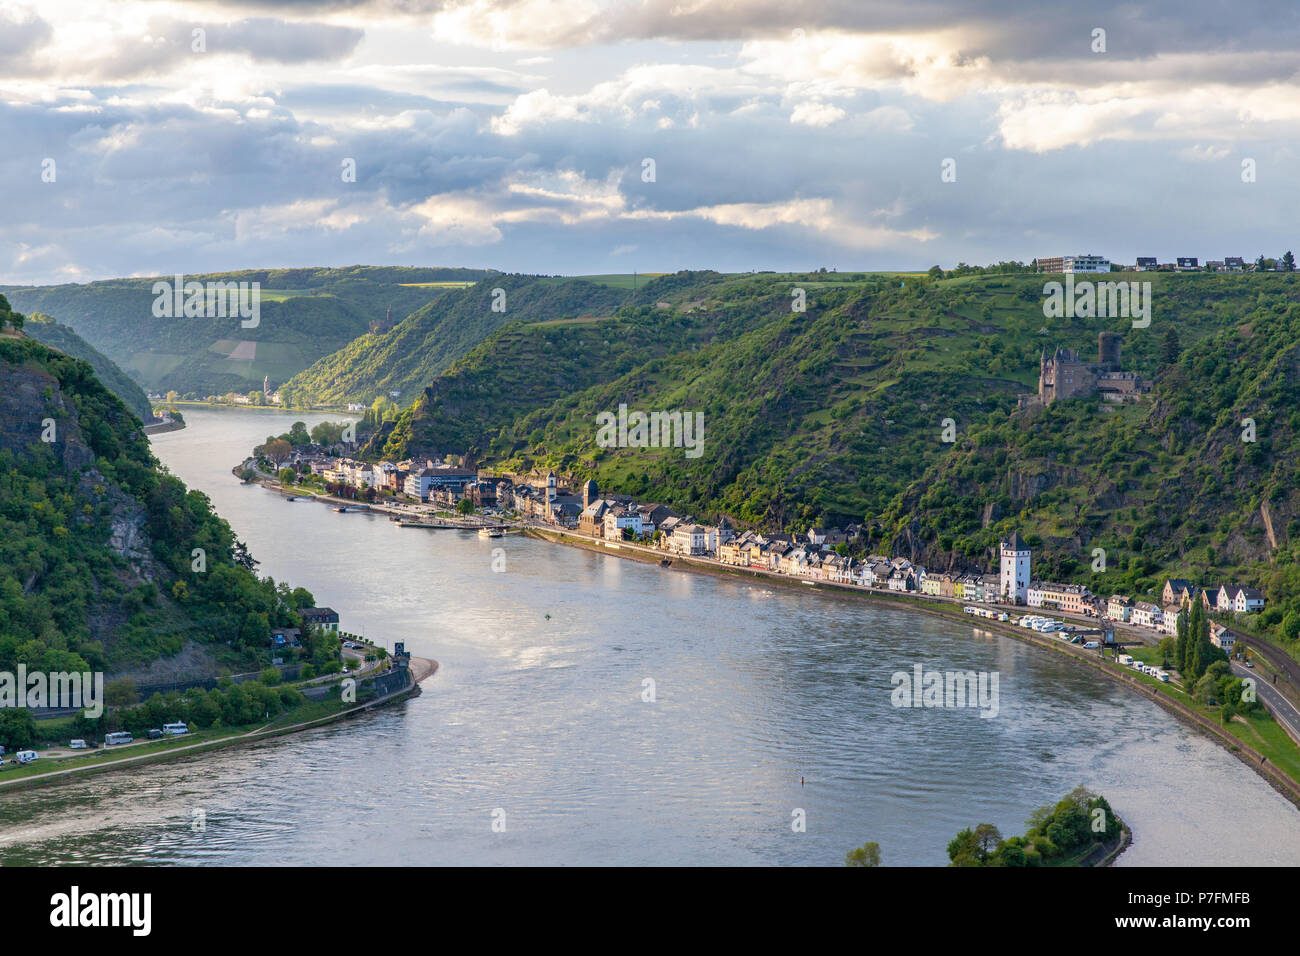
{"x": 816, "y": 113}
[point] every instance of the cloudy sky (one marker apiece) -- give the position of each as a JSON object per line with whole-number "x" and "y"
{"x": 522, "y": 134}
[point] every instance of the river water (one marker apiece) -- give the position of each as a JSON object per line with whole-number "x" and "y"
{"x": 766, "y": 702}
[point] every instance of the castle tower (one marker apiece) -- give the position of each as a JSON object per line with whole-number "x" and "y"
{"x": 1013, "y": 583}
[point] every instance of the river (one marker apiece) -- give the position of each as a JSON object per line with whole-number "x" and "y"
{"x": 766, "y": 702}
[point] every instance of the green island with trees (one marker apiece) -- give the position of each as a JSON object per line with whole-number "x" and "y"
{"x": 1080, "y": 830}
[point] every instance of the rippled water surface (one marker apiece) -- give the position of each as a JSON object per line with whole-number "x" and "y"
{"x": 537, "y": 710}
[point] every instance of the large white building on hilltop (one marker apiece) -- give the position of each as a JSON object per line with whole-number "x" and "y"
{"x": 1075, "y": 264}
{"x": 1013, "y": 586}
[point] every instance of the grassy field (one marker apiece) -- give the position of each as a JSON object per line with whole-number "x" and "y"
{"x": 626, "y": 280}
{"x": 308, "y": 711}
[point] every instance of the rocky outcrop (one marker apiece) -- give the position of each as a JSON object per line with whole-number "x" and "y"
{"x": 35, "y": 411}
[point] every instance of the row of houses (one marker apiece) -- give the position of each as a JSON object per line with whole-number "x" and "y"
{"x": 420, "y": 480}
{"x": 1193, "y": 264}
{"x": 1177, "y": 598}
{"x": 808, "y": 557}
{"x": 1095, "y": 263}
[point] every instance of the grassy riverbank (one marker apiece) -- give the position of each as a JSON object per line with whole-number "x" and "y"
{"x": 305, "y": 716}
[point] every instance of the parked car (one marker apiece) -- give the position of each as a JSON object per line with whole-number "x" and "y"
{"x": 77, "y": 745}
{"x": 154, "y": 734}
{"x": 1091, "y": 646}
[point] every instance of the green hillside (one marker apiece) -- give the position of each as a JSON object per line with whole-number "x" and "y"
{"x": 56, "y": 335}
{"x": 305, "y": 314}
{"x": 98, "y": 545}
{"x": 539, "y": 363}
{"x": 418, "y": 349}
{"x": 836, "y": 414}
{"x": 1170, "y": 485}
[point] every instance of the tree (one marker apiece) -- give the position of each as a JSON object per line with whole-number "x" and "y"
{"x": 328, "y": 433}
{"x": 465, "y": 506}
{"x": 120, "y": 692}
{"x": 1167, "y": 647}
{"x": 298, "y": 434}
{"x": 8, "y": 315}
{"x": 1259, "y": 263}
{"x": 1187, "y": 665}
{"x": 866, "y": 855}
{"x": 288, "y": 476}
{"x": 173, "y": 396}
{"x": 1180, "y": 647}
{"x": 278, "y": 450}
{"x": 936, "y": 272}
{"x": 987, "y": 839}
{"x": 1288, "y": 262}
{"x": 1171, "y": 349}
{"x": 963, "y": 849}
{"x": 17, "y": 728}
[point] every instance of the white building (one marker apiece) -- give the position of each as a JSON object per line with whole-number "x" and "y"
{"x": 617, "y": 519}
{"x": 1222, "y": 638}
{"x": 1013, "y": 583}
{"x": 687, "y": 539}
{"x": 1146, "y": 615}
{"x": 1232, "y": 598}
{"x": 418, "y": 483}
{"x": 1169, "y": 620}
{"x": 1088, "y": 263}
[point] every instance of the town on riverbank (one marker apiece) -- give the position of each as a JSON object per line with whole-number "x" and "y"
{"x": 1189, "y": 650}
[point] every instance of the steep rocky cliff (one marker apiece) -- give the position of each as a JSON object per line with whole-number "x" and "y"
{"x": 96, "y": 542}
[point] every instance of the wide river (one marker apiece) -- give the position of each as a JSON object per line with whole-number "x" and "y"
{"x": 766, "y": 702}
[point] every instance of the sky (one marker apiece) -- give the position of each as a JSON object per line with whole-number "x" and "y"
{"x": 150, "y": 137}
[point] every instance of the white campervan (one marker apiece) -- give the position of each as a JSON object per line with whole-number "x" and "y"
{"x": 25, "y": 756}
{"x": 176, "y": 729}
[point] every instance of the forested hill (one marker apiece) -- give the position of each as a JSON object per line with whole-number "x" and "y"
{"x": 56, "y": 335}
{"x": 304, "y": 315}
{"x": 99, "y": 545}
{"x": 837, "y": 414}
{"x": 408, "y": 357}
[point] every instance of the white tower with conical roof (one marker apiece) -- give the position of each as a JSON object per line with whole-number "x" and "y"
{"x": 1013, "y": 586}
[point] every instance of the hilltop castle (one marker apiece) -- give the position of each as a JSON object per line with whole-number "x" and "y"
{"x": 1062, "y": 374}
